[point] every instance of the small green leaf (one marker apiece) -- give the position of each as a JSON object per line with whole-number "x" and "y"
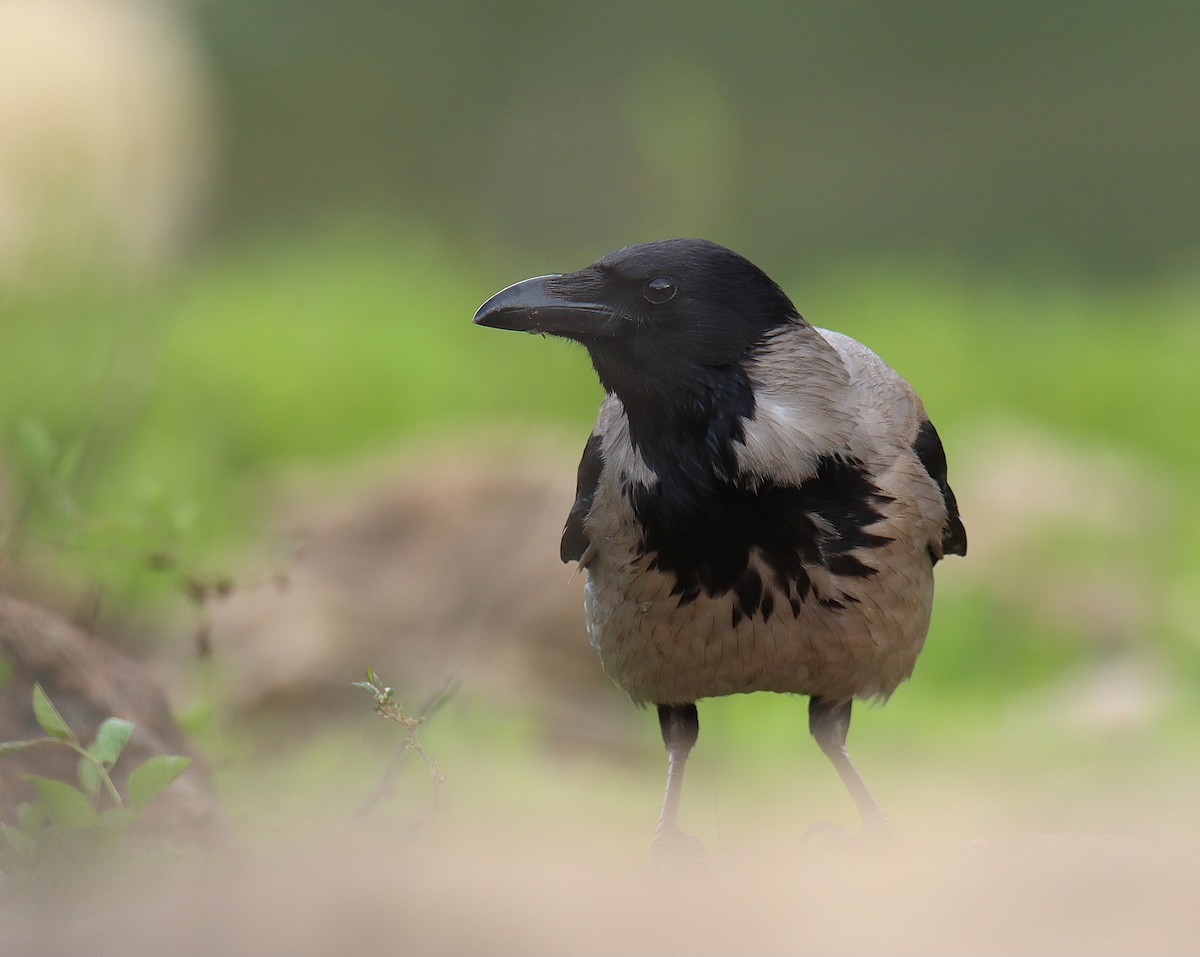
{"x": 48, "y": 717}
{"x": 8, "y": 747}
{"x": 365, "y": 685}
{"x": 111, "y": 738}
{"x": 30, "y": 817}
{"x": 15, "y": 839}
{"x": 148, "y": 780}
{"x": 67, "y": 807}
{"x": 89, "y": 777}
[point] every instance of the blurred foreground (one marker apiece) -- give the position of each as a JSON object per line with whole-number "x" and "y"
{"x": 986, "y": 864}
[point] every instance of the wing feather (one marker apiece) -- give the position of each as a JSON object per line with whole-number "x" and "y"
{"x": 928, "y": 448}
{"x": 575, "y": 539}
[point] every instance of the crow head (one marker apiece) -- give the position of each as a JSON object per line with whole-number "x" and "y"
{"x": 662, "y": 321}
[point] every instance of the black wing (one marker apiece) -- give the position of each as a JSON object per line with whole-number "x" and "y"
{"x": 928, "y": 447}
{"x": 574, "y": 538}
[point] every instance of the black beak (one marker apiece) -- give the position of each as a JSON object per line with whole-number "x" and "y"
{"x": 533, "y": 305}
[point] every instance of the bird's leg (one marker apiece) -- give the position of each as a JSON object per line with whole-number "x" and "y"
{"x": 680, "y": 727}
{"x": 829, "y": 721}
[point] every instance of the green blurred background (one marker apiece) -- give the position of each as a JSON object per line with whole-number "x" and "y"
{"x": 240, "y": 240}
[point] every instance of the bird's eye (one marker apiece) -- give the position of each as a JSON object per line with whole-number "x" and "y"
{"x": 659, "y": 290}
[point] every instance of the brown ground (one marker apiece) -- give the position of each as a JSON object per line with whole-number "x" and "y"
{"x": 526, "y": 892}
{"x": 1067, "y": 833}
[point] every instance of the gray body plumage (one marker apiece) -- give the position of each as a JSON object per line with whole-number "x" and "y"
{"x": 817, "y": 393}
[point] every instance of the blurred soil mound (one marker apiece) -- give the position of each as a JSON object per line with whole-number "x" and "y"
{"x": 435, "y": 571}
{"x": 89, "y": 680}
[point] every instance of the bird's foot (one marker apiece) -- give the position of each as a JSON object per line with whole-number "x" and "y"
{"x": 674, "y": 850}
{"x": 875, "y": 833}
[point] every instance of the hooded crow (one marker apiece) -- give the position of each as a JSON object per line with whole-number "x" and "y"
{"x": 760, "y": 504}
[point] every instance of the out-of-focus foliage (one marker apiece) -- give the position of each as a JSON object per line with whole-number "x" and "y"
{"x": 71, "y": 819}
{"x": 1042, "y": 135}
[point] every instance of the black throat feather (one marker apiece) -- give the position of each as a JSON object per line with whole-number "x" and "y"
{"x": 718, "y": 531}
